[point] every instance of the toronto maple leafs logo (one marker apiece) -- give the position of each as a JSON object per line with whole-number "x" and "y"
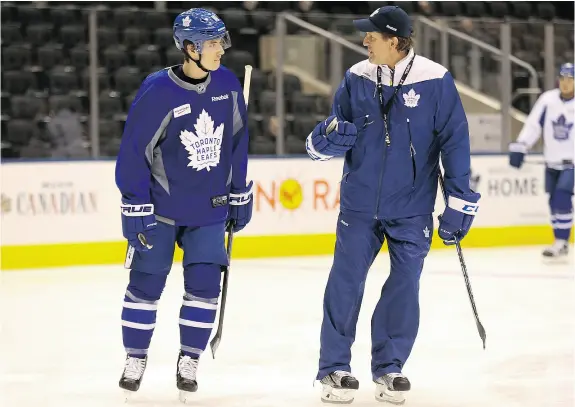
{"x": 561, "y": 128}
{"x": 411, "y": 98}
{"x": 186, "y": 21}
{"x": 205, "y": 144}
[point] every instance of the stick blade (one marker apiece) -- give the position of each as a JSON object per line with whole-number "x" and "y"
{"x": 214, "y": 344}
{"x": 482, "y": 333}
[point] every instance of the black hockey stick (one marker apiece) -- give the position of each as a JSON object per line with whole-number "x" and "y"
{"x": 215, "y": 342}
{"x": 480, "y": 328}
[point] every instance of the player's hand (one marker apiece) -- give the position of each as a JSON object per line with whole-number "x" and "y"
{"x": 332, "y": 137}
{"x": 517, "y": 153}
{"x": 139, "y": 225}
{"x": 241, "y": 205}
{"x": 457, "y": 218}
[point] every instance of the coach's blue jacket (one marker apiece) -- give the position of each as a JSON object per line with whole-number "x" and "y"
{"x": 426, "y": 119}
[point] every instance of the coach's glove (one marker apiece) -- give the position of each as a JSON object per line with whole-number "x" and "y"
{"x": 139, "y": 225}
{"x": 241, "y": 204}
{"x": 457, "y": 217}
{"x": 517, "y": 153}
{"x": 331, "y": 138}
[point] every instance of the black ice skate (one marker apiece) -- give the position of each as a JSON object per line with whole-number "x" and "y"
{"x": 133, "y": 372}
{"x": 557, "y": 250}
{"x": 339, "y": 387}
{"x": 390, "y": 388}
{"x": 186, "y": 376}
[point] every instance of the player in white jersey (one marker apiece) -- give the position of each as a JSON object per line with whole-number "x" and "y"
{"x": 553, "y": 115}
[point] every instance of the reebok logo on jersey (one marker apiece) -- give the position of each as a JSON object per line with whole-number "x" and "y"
{"x": 182, "y": 110}
{"x": 218, "y": 98}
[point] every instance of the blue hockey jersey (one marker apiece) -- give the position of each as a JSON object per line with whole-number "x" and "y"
{"x": 426, "y": 119}
{"x": 185, "y": 147}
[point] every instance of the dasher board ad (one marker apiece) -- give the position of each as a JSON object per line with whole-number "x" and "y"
{"x": 75, "y": 202}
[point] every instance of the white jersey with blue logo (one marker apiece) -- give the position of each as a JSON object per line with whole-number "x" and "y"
{"x": 553, "y": 117}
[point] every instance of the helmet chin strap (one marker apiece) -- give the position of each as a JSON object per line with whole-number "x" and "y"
{"x": 198, "y": 62}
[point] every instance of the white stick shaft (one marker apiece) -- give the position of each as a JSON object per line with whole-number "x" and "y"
{"x": 247, "y": 81}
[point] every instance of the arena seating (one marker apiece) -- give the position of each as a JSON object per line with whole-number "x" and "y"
{"x": 45, "y": 61}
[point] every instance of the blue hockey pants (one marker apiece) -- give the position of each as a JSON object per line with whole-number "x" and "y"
{"x": 395, "y": 320}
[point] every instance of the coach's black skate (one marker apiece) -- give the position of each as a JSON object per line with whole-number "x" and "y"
{"x": 339, "y": 387}
{"x": 186, "y": 376}
{"x": 390, "y": 388}
{"x": 133, "y": 373}
{"x": 558, "y": 249}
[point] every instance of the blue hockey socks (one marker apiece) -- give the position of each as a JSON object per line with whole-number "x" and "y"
{"x": 199, "y": 307}
{"x": 139, "y": 311}
{"x": 561, "y": 214}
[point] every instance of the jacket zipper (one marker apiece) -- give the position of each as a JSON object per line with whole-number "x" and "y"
{"x": 388, "y": 145}
{"x": 412, "y": 153}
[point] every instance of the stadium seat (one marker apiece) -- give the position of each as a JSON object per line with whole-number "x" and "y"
{"x": 103, "y": 79}
{"x": 72, "y": 35}
{"x": 64, "y": 14}
{"x": 174, "y": 56}
{"x": 80, "y": 56}
{"x": 302, "y": 104}
{"x": 236, "y": 60}
{"x": 127, "y": 17}
{"x": 262, "y": 146}
{"x": 16, "y": 56}
{"x": 50, "y": 55}
{"x": 236, "y": 18}
{"x": 267, "y": 103}
{"x": 164, "y": 37}
{"x": 19, "y": 132}
{"x": 63, "y": 79}
{"x": 134, "y": 37}
{"x": 19, "y": 82}
{"x": 254, "y": 127}
{"x": 115, "y": 57}
{"x": 294, "y": 145}
{"x": 25, "y": 107}
{"x": 153, "y": 19}
{"x": 110, "y": 104}
{"x": 38, "y": 34}
{"x": 303, "y": 125}
{"x": 30, "y": 14}
{"x": 546, "y": 11}
{"x": 10, "y": 32}
{"x": 107, "y": 36}
{"x": 146, "y": 57}
{"x": 127, "y": 79}
{"x": 57, "y": 102}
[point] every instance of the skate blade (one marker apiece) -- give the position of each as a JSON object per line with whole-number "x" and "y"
{"x": 337, "y": 396}
{"x": 129, "y": 396}
{"x": 185, "y": 397}
{"x": 383, "y": 394}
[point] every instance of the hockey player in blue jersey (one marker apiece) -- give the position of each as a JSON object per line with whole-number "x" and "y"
{"x": 553, "y": 115}
{"x": 393, "y": 115}
{"x": 181, "y": 171}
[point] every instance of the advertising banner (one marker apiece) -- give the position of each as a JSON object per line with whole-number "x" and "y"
{"x": 76, "y": 202}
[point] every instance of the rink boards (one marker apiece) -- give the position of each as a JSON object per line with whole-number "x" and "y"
{"x": 67, "y": 213}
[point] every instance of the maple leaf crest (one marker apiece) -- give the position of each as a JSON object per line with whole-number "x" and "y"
{"x": 204, "y": 145}
{"x": 411, "y": 98}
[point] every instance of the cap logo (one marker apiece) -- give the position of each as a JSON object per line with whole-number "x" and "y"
{"x": 375, "y": 12}
{"x": 391, "y": 28}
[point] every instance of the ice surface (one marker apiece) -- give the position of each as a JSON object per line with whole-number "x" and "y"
{"x": 61, "y": 340}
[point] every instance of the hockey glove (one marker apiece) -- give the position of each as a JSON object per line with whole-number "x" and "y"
{"x": 241, "y": 204}
{"x": 331, "y": 138}
{"x": 139, "y": 225}
{"x": 517, "y": 153}
{"x": 457, "y": 217}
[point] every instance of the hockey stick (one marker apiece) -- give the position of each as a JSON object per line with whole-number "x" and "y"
{"x": 480, "y": 328}
{"x": 215, "y": 342}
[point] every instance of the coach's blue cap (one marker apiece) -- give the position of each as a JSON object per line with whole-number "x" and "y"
{"x": 388, "y": 19}
{"x": 567, "y": 70}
